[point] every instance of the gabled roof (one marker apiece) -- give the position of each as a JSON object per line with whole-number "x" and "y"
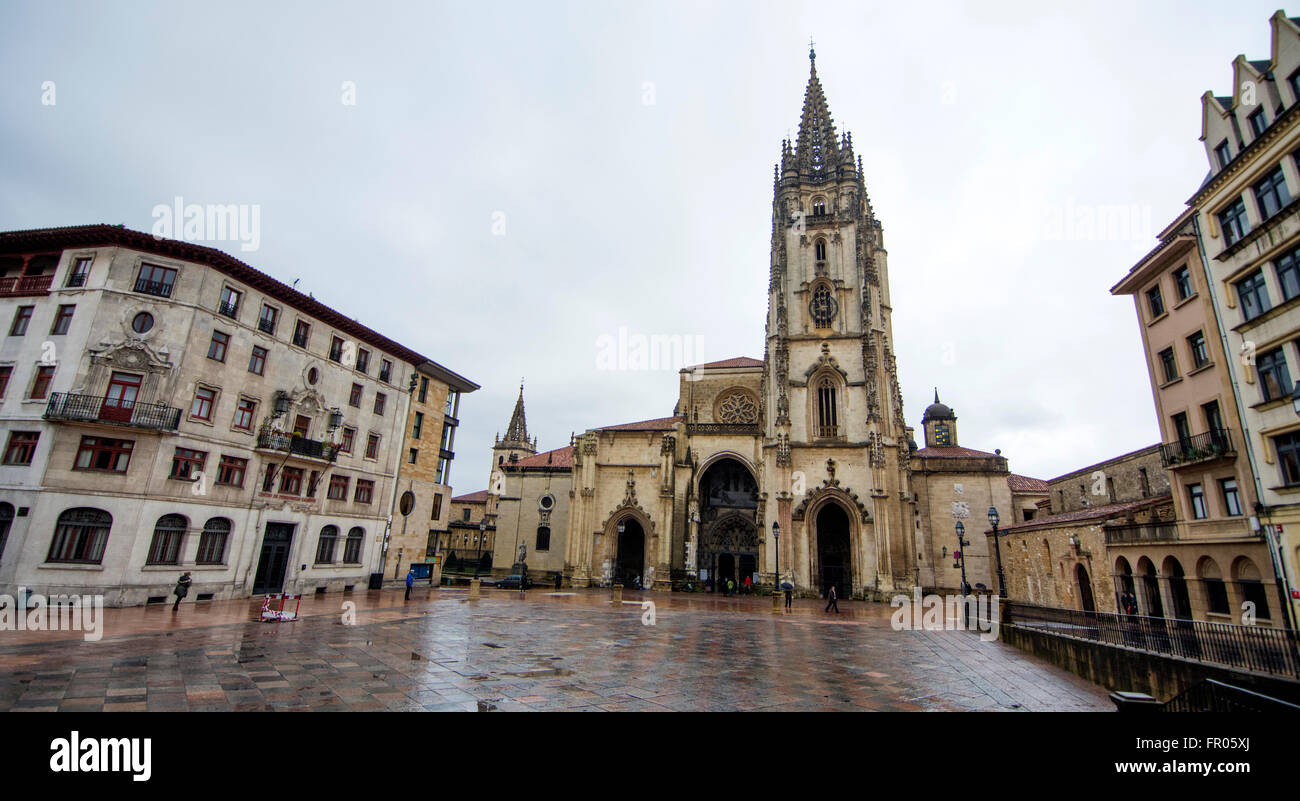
{"x": 1086, "y": 514}
{"x": 474, "y": 497}
{"x": 1017, "y": 483}
{"x": 558, "y": 458}
{"x": 739, "y": 361}
{"x": 954, "y": 453}
{"x": 657, "y": 424}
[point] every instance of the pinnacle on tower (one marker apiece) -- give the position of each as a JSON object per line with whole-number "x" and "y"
{"x": 517, "y": 431}
{"x": 817, "y": 151}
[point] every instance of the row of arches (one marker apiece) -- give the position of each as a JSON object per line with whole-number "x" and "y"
{"x": 1214, "y": 590}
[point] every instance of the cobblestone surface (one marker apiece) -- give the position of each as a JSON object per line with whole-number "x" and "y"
{"x": 543, "y": 652}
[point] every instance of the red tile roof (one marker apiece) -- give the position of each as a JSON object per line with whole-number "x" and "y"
{"x": 93, "y": 235}
{"x": 560, "y": 457}
{"x": 954, "y": 453}
{"x": 657, "y": 424}
{"x": 1026, "y": 484}
{"x": 739, "y": 361}
{"x": 474, "y": 497}
{"x": 1086, "y": 514}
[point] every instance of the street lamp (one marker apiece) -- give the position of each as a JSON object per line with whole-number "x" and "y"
{"x": 776, "y": 590}
{"x": 960, "y": 555}
{"x": 482, "y": 535}
{"x": 997, "y": 548}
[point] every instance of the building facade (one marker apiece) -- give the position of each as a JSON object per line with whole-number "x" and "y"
{"x": 168, "y": 408}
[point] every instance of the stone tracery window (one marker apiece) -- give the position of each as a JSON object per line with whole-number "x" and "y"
{"x": 738, "y": 407}
{"x": 823, "y": 306}
{"x": 827, "y": 415}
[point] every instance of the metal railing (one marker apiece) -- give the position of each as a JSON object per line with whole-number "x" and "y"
{"x": 1210, "y": 445}
{"x": 98, "y": 409}
{"x": 1215, "y": 696}
{"x": 299, "y": 446}
{"x": 229, "y": 310}
{"x": 26, "y": 284}
{"x": 162, "y": 289}
{"x": 1265, "y": 649}
{"x": 265, "y": 325}
{"x": 76, "y": 280}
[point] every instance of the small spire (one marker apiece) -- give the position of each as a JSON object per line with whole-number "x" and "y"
{"x": 936, "y": 394}
{"x": 812, "y": 54}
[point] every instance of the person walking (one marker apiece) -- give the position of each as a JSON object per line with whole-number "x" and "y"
{"x": 731, "y": 588}
{"x": 831, "y": 602}
{"x": 789, "y": 595}
{"x": 182, "y": 589}
{"x": 410, "y": 582}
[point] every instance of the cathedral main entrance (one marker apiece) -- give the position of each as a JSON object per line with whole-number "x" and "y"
{"x": 833, "y": 555}
{"x": 728, "y": 534}
{"x": 629, "y": 566}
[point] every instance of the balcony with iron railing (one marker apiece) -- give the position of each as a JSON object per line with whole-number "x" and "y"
{"x": 162, "y": 289}
{"x": 76, "y": 408}
{"x": 298, "y": 446}
{"x": 19, "y": 285}
{"x": 266, "y": 326}
{"x": 1215, "y": 444}
{"x": 230, "y": 310}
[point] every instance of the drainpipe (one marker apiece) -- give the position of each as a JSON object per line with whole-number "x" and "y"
{"x": 1275, "y": 552}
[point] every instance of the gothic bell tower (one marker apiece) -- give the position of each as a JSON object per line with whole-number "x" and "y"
{"x": 833, "y": 413}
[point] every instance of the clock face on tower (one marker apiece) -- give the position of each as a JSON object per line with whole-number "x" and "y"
{"x": 941, "y": 436}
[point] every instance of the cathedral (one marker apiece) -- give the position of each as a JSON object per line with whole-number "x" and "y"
{"x": 798, "y": 465}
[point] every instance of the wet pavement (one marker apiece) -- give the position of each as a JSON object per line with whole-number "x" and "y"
{"x": 536, "y": 652}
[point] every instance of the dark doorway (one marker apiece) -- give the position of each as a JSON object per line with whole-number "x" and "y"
{"x": 1154, "y": 607}
{"x": 275, "y": 559}
{"x": 631, "y": 554}
{"x": 748, "y": 567}
{"x": 833, "y": 550}
{"x": 726, "y": 570}
{"x": 1178, "y": 589}
{"x": 1085, "y": 589}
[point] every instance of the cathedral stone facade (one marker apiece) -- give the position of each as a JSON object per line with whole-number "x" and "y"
{"x": 798, "y": 465}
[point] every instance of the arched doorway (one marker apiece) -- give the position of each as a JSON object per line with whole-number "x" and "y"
{"x": 833, "y": 554}
{"x": 1085, "y": 589}
{"x": 1123, "y": 582}
{"x": 629, "y": 565}
{"x": 1178, "y": 589}
{"x": 1152, "y": 606}
{"x": 728, "y": 501}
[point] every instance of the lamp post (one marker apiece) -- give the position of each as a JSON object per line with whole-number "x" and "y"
{"x": 618, "y": 551}
{"x": 960, "y": 556}
{"x": 482, "y": 534}
{"x": 997, "y": 548}
{"x": 776, "y": 590}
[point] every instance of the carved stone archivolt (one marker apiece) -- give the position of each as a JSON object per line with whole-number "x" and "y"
{"x": 830, "y": 486}
{"x": 134, "y": 355}
{"x": 736, "y": 406}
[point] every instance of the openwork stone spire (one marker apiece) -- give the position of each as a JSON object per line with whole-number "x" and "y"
{"x": 517, "y": 431}
{"x": 817, "y": 149}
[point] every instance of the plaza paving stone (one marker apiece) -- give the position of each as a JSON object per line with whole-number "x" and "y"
{"x": 537, "y": 652}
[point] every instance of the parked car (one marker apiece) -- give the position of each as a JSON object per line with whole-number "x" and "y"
{"x": 513, "y": 582}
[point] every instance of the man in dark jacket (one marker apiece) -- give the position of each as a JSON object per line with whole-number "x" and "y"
{"x": 831, "y": 600}
{"x": 182, "y": 589}
{"x": 410, "y": 582}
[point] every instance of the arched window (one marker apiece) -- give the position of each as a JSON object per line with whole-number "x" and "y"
{"x": 543, "y": 538}
{"x": 820, "y": 249}
{"x": 325, "y": 546}
{"x": 212, "y": 544}
{"x": 823, "y": 306}
{"x": 80, "y": 536}
{"x": 819, "y": 206}
{"x": 6, "y": 520}
{"x": 827, "y": 415}
{"x": 352, "y": 550}
{"x": 168, "y": 533}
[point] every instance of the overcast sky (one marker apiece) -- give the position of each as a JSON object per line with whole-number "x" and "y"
{"x": 514, "y": 181}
